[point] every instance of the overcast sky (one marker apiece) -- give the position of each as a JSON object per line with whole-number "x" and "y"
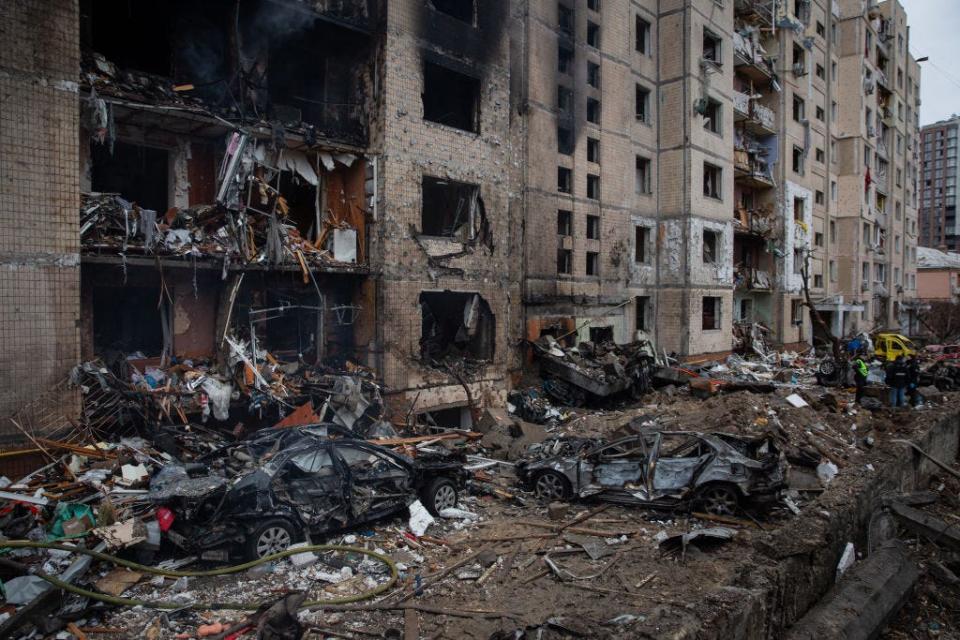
{"x": 935, "y": 32}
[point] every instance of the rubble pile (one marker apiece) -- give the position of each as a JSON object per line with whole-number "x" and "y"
{"x": 594, "y": 371}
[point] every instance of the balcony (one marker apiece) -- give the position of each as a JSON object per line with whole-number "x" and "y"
{"x": 758, "y": 12}
{"x": 751, "y": 170}
{"x": 755, "y": 222}
{"x": 751, "y": 279}
{"x": 754, "y": 117}
{"x": 750, "y": 59}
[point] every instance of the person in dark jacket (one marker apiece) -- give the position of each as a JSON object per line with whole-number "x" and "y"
{"x": 897, "y": 382}
{"x": 913, "y": 380}
{"x": 860, "y": 372}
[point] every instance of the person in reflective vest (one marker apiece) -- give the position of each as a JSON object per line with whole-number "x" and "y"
{"x": 860, "y": 372}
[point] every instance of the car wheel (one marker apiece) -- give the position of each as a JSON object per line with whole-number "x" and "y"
{"x": 718, "y": 500}
{"x": 439, "y": 494}
{"x": 551, "y": 485}
{"x": 272, "y": 536}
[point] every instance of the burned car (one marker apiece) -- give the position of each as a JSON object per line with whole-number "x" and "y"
{"x": 714, "y": 472}
{"x": 297, "y": 482}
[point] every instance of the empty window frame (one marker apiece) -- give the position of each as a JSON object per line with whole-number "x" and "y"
{"x": 593, "y": 187}
{"x": 593, "y": 263}
{"x": 458, "y": 324}
{"x": 821, "y": 72}
{"x": 799, "y": 109}
{"x": 712, "y": 47}
{"x": 564, "y": 261}
{"x": 711, "y": 242}
{"x": 643, "y": 178}
{"x": 451, "y": 98}
{"x": 641, "y": 242}
{"x": 710, "y": 313}
{"x": 565, "y": 60}
{"x": 593, "y": 35}
{"x": 564, "y": 222}
{"x": 798, "y": 259}
{"x": 449, "y": 208}
{"x": 796, "y": 312}
{"x": 593, "y": 150}
{"x": 820, "y": 114}
{"x": 818, "y": 154}
{"x": 799, "y": 59}
{"x": 642, "y": 36}
{"x": 798, "y": 160}
{"x": 712, "y": 115}
{"x": 593, "y": 5}
{"x": 818, "y": 281}
{"x": 593, "y": 227}
{"x": 565, "y": 101}
{"x": 818, "y": 197}
{"x": 593, "y": 110}
{"x": 564, "y": 180}
{"x": 818, "y": 239}
{"x": 643, "y": 103}
{"x": 139, "y": 174}
{"x": 799, "y": 204}
{"x": 642, "y": 313}
{"x": 565, "y": 141}
{"x": 593, "y": 75}
{"x": 463, "y": 10}
{"x": 712, "y": 176}
{"x": 126, "y": 319}
{"x": 565, "y": 19}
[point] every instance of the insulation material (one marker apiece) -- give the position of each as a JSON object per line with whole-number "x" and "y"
{"x": 219, "y": 394}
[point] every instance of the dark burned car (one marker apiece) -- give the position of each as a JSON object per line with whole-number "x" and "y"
{"x": 714, "y": 472}
{"x": 287, "y": 483}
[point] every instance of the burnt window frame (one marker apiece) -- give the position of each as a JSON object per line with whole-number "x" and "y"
{"x": 642, "y": 253}
{"x": 449, "y": 67}
{"x": 564, "y": 262}
{"x": 473, "y": 12}
{"x": 431, "y": 181}
{"x": 565, "y": 223}
{"x": 593, "y": 74}
{"x": 593, "y": 35}
{"x": 642, "y": 103}
{"x": 710, "y": 246}
{"x": 714, "y": 124}
{"x": 565, "y": 140}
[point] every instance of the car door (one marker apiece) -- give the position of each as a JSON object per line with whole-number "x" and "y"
{"x": 620, "y": 463}
{"x": 679, "y": 459}
{"x": 376, "y": 483}
{"x": 310, "y": 481}
{"x": 882, "y": 347}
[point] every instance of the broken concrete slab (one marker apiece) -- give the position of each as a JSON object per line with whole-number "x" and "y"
{"x": 860, "y": 605}
{"x": 930, "y": 527}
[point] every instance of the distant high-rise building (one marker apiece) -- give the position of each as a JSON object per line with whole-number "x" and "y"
{"x": 938, "y": 185}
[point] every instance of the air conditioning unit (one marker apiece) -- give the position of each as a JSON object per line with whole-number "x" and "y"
{"x": 869, "y": 85}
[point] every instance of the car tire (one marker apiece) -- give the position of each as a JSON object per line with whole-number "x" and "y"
{"x": 718, "y": 499}
{"x": 551, "y": 485}
{"x": 269, "y": 537}
{"x": 439, "y": 494}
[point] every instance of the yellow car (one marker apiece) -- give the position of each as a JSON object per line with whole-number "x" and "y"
{"x": 890, "y": 345}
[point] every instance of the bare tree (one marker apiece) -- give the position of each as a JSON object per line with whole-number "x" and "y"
{"x": 814, "y": 313}
{"x": 942, "y": 319}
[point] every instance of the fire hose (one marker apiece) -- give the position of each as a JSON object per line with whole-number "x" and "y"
{"x": 170, "y": 573}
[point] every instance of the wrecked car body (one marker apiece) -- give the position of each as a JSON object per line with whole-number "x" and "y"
{"x": 297, "y": 482}
{"x": 716, "y": 473}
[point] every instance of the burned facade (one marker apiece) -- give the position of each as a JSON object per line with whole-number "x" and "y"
{"x": 414, "y": 186}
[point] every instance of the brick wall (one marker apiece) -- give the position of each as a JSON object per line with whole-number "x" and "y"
{"x": 39, "y": 239}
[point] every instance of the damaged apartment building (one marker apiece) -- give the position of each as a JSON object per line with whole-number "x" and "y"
{"x": 415, "y": 186}
{"x": 699, "y": 161}
{"x": 319, "y": 182}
